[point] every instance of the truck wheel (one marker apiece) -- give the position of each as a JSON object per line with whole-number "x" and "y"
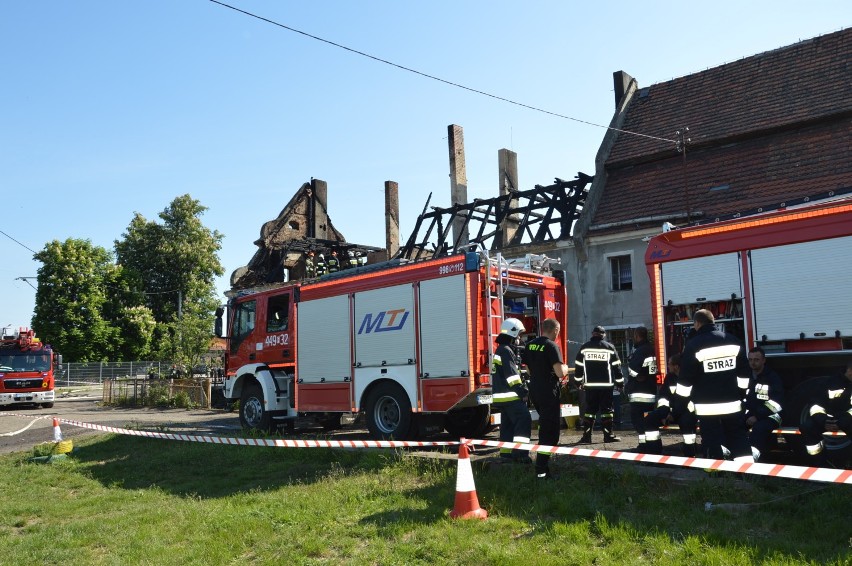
{"x": 797, "y": 404}
{"x": 253, "y": 414}
{"x": 47, "y": 405}
{"x": 470, "y": 422}
{"x": 388, "y": 412}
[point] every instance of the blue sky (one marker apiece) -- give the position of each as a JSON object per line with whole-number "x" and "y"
{"x": 116, "y": 107}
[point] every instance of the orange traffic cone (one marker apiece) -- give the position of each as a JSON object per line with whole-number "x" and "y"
{"x": 62, "y": 446}
{"x": 467, "y": 504}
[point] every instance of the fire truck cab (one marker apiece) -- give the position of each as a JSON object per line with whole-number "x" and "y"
{"x": 26, "y": 368}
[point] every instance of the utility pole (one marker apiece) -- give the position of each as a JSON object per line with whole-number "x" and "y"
{"x": 682, "y": 142}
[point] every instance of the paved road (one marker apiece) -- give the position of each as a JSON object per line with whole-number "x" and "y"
{"x": 21, "y": 428}
{"x": 35, "y": 425}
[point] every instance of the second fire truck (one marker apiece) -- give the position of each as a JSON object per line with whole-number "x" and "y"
{"x": 28, "y": 368}
{"x": 406, "y": 344}
{"x": 780, "y": 280}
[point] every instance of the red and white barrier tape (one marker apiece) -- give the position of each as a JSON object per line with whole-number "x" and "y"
{"x": 772, "y": 470}
{"x": 268, "y": 442}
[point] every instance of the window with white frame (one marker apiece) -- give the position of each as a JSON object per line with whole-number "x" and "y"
{"x": 621, "y": 273}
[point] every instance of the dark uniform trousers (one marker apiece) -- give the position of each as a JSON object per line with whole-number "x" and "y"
{"x": 545, "y": 398}
{"x": 717, "y": 430}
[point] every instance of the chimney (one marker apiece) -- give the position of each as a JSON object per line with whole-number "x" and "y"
{"x": 621, "y": 82}
{"x": 391, "y": 218}
{"x": 458, "y": 182}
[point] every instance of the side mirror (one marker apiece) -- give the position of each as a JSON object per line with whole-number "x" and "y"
{"x": 218, "y": 327}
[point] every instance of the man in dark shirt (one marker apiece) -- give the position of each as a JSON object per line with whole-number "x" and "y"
{"x": 544, "y": 361}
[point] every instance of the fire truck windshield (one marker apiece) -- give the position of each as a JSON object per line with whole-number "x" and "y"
{"x": 24, "y": 361}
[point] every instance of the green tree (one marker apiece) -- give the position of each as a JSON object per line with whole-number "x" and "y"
{"x": 174, "y": 263}
{"x": 72, "y": 292}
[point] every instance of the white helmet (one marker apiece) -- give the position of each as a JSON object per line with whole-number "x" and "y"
{"x": 512, "y": 326}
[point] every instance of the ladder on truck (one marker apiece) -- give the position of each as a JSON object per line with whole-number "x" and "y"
{"x": 500, "y": 281}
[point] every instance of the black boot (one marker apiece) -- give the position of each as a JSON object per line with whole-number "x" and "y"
{"x": 654, "y": 447}
{"x": 607, "y": 430}
{"x": 588, "y": 424}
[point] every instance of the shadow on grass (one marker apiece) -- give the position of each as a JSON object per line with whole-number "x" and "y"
{"x": 213, "y": 470}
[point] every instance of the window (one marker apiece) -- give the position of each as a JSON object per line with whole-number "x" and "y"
{"x": 243, "y": 324}
{"x": 622, "y": 274}
{"x": 277, "y": 312}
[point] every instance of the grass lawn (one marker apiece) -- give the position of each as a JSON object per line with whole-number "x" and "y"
{"x": 128, "y": 500}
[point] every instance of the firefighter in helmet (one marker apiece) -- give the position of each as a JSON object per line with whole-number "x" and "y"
{"x": 322, "y": 267}
{"x": 510, "y": 392}
{"x": 310, "y": 266}
{"x": 353, "y": 259}
{"x": 333, "y": 262}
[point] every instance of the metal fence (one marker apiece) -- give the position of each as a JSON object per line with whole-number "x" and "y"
{"x": 141, "y": 390}
{"x": 89, "y": 373}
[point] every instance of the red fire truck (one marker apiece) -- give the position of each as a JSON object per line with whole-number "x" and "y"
{"x": 408, "y": 345}
{"x": 780, "y": 280}
{"x": 27, "y": 368}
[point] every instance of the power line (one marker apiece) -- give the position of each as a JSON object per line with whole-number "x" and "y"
{"x": 434, "y": 78}
{"x": 17, "y": 242}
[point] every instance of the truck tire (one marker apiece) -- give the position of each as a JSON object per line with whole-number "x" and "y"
{"x": 47, "y": 405}
{"x": 253, "y": 413}
{"x": 796, "y": 406}
{"x": 470, "y": 422}
{"x": 388, "y": 412}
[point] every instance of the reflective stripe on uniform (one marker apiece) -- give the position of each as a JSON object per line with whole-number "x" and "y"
{"x": 521, "y": 439}
{"x": 598, "y": 385}
{"x": 683, "y": 390}
{"x": 663, "y": 402}
{"x": 504, "y": 397}
{"x": 773, "y": 406}
{"x": 712, "y": 409}
{"x": 814, "y": 449}
{"x": 641, "y": 397}
{"x": 652, "y": 435}
{"x": 775, "y": 417}
{"x": 689, "y": 438}
{"x": 513, "y": 380}
{"x": 816, "y": 410}
{"x": 742, "y": 382}
{"x": 835, "y": 393}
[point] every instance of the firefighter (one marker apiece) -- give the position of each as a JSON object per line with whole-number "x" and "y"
{"x": 830, "y": 411}
{"x": 333, "y": 262}
{"x": 310, "y": 266}
{"x": 510, "y": 393}
{"x": 598, "y": 371}
{"x": 353, "y": 259}
{"x": 763, "y": 402}
{"x": 544, "y": 361}
{"x": 322, "y": 268}
{"x": 642, "y": 386}
{"x": 714, "y": 376}
{"x": 671, "y": 409}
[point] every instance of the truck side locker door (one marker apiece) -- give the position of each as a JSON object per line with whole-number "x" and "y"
{"x": 325, "y": 353}
{"x": 802, "y": 288}
{"x": 709, "y": 278}
{"x": 444, "y": 339}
